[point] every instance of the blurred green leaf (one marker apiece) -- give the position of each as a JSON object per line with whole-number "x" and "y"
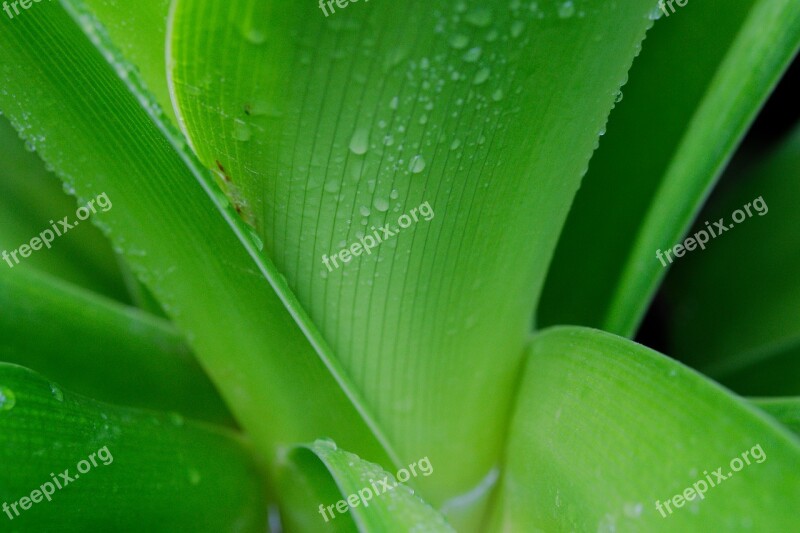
{"x": 152, "y": 472}
{"x": 605, "y": 428}
{"x": 30, "y": 197}
{"x": 100, "y": 348}
{"x": 704, "y": 73}
{"x": 102, "y": 133}
{"x": 734, "y": 306}
{"x": 786, "y": 410}
{"x": 323, "y": 129}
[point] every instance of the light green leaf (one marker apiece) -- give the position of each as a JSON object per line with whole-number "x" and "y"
{"x": 103, "y": 134}
{"x": 142, "y": 471}
{"x": 100, "y": 348}
{"x": 704, "y": 73}
{"x": 377, "y": 500}
{"x": 605, "y": 428}
{"x": 322, "y": 128}
{"x": 735, "y": 304}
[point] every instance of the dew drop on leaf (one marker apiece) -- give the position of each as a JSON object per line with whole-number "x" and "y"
{"x": 566, "y": 10}
{"x": 459, "y": 41}
{"x": 7, "y": 399}
{"x": 359, "y": 143}
{"x": 56, "y": 392}
{"x": 417, "y": 164}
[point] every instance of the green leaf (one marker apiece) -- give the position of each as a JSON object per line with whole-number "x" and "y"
{"x": 785, "y": 410}
{"x": 90, "y": 120}
{"x": 100, "y": 348}
{"x": 704, "y": 73}
{"x": 320, "y": 129}
{"x": 380, "y": 502}
{"x": 149, "y": 472}
{"x": 30, "y": 197}
{"x": 744, "y": 286}
{"x": 605, "y": 428}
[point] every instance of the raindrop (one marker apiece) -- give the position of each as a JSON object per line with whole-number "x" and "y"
{"x": 241, "y": 131}
{"x": 259, "y": 244}
{"x": 473, "y": 54}
{"x": 7, "y": 399}
{"x": 332, "y": 186}
{"x": 194, "y": 476}
{"x": 255, "y": 36}
{"x": 481, "y": 76}
{"x": 360, "y": 142}
{"x": 481, "y": 17}
{"x": 566, "y": 10}
{"x": 497, "y": 95}
{"x": 517, "y": 28}
{"x": 176, "y": 419}
{"x": 394, "y": 194}
{"x": 455, "y": 144}
{"x": 381, "y": 204}
{"x": 459, "y": 41}
{"x": 394, "y": 103}
{"x": 56, "y": 392}
{"x": 364, "y": 210}
{"x": 417, "y": 164}
{"x": 388, "y": 140}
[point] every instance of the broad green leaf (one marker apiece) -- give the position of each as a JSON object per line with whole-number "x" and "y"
{"x": 100, "y": 348}
{"x": 30, "y": 197}
{"x": 605, "y": 428}
{"x": 704, "y": 73}
{"x": 785, "y": 410}
{"x": 139, "y": 29}
{"x": 149, "y": 472}
{"x": 376, "y": 500}
{"x": 735, "y": 304}
{"x": 90, "y": 120}
{"x": 322, "y": 130}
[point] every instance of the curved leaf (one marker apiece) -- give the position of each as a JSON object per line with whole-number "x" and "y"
{"x": 479, "y": 120}
{"x": 179, "y": 237}
{"x": 682, "y": 117}
{"x": 100, "y": 348}
{"x": 149, "y": 472}
{"x": 605, "y": 428}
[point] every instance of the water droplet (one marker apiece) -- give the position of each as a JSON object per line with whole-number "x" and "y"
{"x": 176, "y": 419}
{"x": 56, "y": 392}
{"x": 423, "y": 119}
{"x": 492, "y": 36}
{"x": 360, "y": 142}
{"x": 394, "y": 194}
{"x": 417, "y": 164}
{"x": 257, "y": 240}
{"x": 323, "y": 274}
{"x": 7, "y": 399}
{"x": 459, "y": 41}
{"x": 566, "y": 10}
{"x": 480, "y": 17}
{"x": 481, "y": 76}
{"x": 241, "y": 131}
{"x": 381, "y": 204}
{"x": 332, "y": 186}
{"x": 473, "y": 54}
{"x": 517, "y": 28}
{"x": 618, "y": 97}
{"x": 497, "y": 95}
{"x": 255, "y": 36}
{"x": 388, "y": 140}
{"x": 455, "y": 144}
{"x": 394, "y": 103}
{"x": 194, "y": 476}
{"x": 364, "y": 210}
